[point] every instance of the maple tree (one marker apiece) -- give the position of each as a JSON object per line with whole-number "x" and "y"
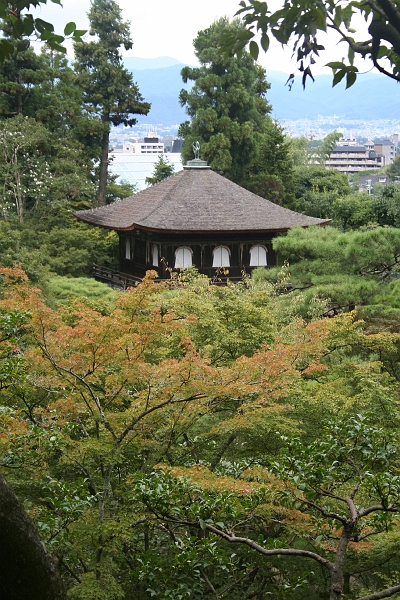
{"x": 340, "y": 491}
{"x": 198, "y": 379}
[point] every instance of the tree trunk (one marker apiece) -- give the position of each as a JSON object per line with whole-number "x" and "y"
{"x": 19, "y": 96}
{"x": 337, "y": 581}
{"x": 19, "y": 197}
{"x": 104, "y": 170}
{"x": 27, "y": 570}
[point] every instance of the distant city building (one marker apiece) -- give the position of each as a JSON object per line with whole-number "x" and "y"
{"x": 350, "y": 158}
{"x": 388, "y": 148}
{"x": 369, "y": 145}
{"x": 177, "y": 146}
{"x": 150, "y": 145}
{"x": 348, "y": 142}
{"x": 366, "y": 182}
{"x": 353, "y": 159}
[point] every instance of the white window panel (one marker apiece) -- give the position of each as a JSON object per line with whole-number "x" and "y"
{"x": 183, "y": 258}
{"x": 258, "y": 256}
{"x": 221, "y": 257}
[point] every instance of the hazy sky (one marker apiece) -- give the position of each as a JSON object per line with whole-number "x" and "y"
{"x": 168, "y": 27}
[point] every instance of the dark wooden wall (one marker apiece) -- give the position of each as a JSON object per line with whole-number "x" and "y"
{"x": 141, "y": 244}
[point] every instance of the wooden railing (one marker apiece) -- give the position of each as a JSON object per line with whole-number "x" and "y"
{"x": 115, "y": 278}
{"x": 124, "y": 280}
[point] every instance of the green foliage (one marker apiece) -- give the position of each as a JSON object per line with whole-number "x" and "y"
{"x": 271, "y": 173}
{"x": 21, "y": 25}
{"x": 67, "y": 249}
{"x": 346, "y": 268}
{"x": 23, "y": 166}
{"x": 321, "y": 180}
{"x": 162, "y": 170}
{"x": 338, "y": 487}
{"x": 109, "y": 92}
{"x": 20, "y": 74}
{"x": 386, "y": 205}
{"x": 47, "y": 160}
{"x": 355, "y": 210}
{"x": 119, "y": 191}
{"x": 327, "y": 194}
{"x": 344, "y": 454}
{"x": 317, "y": 190}
{"x": 73, "y": 250}
{"x": 229, "y": 117}
{"x": 393, "y": 170}
{"x": 139, "y": 429}
{"x": 298, "y": 23}
{"x": 63, "y": 290}
{"x": 327, "y": 145}
{"x": 108, "y": 88}
{"x": 300, "y": 151}
{"x": 226, "y": 105}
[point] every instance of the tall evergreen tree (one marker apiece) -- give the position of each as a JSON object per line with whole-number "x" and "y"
{"x": 19, "y": 75}
{"x": 226, "y": 104}
{"x": 271, "y": 172}
{"x": 230, "y": 118}
{"x": 108, "y": 88}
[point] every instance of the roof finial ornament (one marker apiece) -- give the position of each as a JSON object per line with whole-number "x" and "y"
{"x": 196, "y": 150}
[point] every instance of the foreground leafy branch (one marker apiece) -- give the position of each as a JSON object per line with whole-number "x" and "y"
{"x": 322, "y": 480}
{"x": 298, "y": 23}
{"x": 23, "y": 25}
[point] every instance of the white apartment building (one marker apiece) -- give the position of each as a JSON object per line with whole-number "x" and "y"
{"x": 353, "y": 159}
{"x": 350, "y": 158}
{"x": 150, "y": 145}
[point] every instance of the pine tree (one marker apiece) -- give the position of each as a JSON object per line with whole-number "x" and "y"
{"x": 108, "y": 88}
{"x": 19, "y": 75}
{"x": 162, "y": 170}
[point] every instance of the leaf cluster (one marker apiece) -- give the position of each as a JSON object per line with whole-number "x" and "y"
{"x": 297, "y": 25}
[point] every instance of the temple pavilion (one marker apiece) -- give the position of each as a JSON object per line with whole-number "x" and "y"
{"x": 194, "y": 218}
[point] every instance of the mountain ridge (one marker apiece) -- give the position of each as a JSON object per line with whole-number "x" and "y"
{"x": 372, "y": 97}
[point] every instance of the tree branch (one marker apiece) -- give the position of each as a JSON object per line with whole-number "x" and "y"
{"x": 233, "y": 539}
{"x": 378, "y": 507}
{"x": 224, "y": 447}
{"x": 210, "y": 585}
{"x": 325, "y": 513}
{"x": 362, "y": 48}
{"x": 231, "y": 585}
{"x": 135, "y": 421}
{"x": 384, "y": 31}
{"x": 392, "y": 15}
{"x": 384, "y": 72}
{"x": 353, "y": 511}
{"x": 384, "y": 594}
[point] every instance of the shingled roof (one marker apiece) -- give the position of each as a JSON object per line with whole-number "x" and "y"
{"x": 196, "y": 200}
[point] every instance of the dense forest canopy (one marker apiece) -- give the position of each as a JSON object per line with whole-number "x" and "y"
{"x": 186, "y": 440}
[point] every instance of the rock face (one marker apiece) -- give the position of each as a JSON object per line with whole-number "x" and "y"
{"x": 27, "y": 571}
